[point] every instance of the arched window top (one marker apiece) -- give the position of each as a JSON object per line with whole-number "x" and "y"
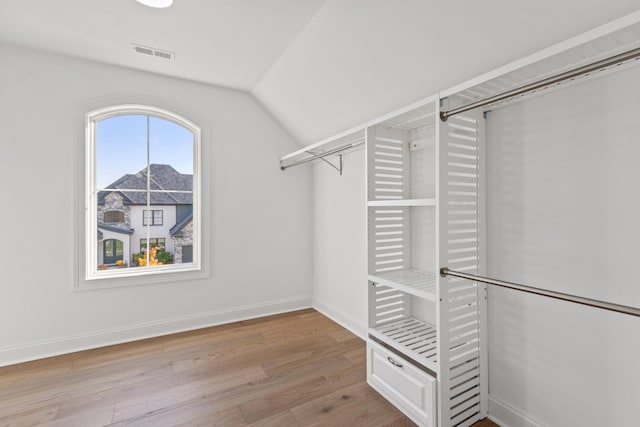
{"x": 141, "y": 110}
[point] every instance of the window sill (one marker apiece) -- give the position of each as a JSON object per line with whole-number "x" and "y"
{"x": 115, "y": 278}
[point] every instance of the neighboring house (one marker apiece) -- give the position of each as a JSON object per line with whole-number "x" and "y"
{"x": 123, "y": 216}
{"x": 182, "y": 235}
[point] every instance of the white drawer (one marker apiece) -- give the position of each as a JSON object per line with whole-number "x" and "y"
{"x": 409, "y": 388}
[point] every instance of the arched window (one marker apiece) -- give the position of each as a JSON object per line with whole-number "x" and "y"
{"x": 143, "y": 177}
{"x": 112, "y": 251}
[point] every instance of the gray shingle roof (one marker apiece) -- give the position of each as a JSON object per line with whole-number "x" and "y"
{"x": 163, "y": 177}
{"x": 176, "y": 230}
{"x": 114, "y": 228}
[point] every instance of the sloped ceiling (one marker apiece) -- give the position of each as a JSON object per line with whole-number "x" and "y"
{"x": 320, "y": 67}
{"x": 359, "y": 59}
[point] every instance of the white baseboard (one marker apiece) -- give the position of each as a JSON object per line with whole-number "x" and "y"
{"x": 505, "y": 415}
{"x": 341, "y": 318}
{"x": 71, "y": 344}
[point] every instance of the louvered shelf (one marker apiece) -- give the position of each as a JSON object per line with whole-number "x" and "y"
{"x": 412, "y": 337}
{"x": 414, "y": 282}
{"x": 403, "y": 202}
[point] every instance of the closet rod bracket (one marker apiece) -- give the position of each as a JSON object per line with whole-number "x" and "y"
{"x": 338, "y": 152}
{"x": 340, "y": 161}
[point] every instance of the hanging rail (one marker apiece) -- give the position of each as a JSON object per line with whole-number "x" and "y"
{"x": 584, "y": 70}
{"x": 633, "y": 311}
{"x": 321, "y": 155}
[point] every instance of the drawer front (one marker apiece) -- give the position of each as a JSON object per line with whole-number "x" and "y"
{"x": 412, "y": 390}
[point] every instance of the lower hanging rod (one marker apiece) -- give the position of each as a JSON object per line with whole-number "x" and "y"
{"x": 584, "y": 70}
{"x": 633, "y": 311}
{"x": 322, "y": 155}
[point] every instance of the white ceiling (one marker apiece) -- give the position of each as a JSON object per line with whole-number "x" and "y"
{"x": 229, "y": 43}
{"x": 319, "y": 66}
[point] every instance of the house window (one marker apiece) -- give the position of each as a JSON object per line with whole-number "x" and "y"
{"x": 154, "y": 243}
{"x": 113, "y": 217}
{"x": 138, "y": 157}
{"x": 156, "y": 217}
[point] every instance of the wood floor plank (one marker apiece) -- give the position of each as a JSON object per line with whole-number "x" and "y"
{"x": 97, "y": 417}
{"x": 289, "y": 370}
{"x": 313, "y": 351}
{"x": 26, "y": 417}
{"x": 401, "y": 422}
{"x": 191, "y": 414}
{"x": 142, "y": 405}
{"x": 357, "y": 356}
{"x": 341, "y": 335}
{"x": 118, "y": 353}
{"x": 283, "y": 419}
{"x": 77, "y": 386}
{"x": 290, "y": 397}
{"x": 356, "y": 405}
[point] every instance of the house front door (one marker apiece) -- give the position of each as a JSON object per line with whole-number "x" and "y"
{"x": 113, "y": 251}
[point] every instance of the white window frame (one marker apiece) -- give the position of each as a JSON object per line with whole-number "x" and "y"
{"x": 94, "y": 278}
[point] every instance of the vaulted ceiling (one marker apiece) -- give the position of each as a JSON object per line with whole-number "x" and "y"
{"x": 319, "y": 66}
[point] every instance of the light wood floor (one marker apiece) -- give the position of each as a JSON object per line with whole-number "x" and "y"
{"x": 294, "y": 369}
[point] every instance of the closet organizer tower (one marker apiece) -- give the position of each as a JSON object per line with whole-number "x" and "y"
{"x": 425, "y": 209}
{"x": 427, "y": 201}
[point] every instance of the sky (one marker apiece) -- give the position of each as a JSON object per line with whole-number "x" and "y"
{"x": 122, "y": 146}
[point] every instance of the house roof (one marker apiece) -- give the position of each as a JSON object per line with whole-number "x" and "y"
{"x": 176, "y": 230}
{"x": 114, "y": 228}
{"x": 163, "y": 177}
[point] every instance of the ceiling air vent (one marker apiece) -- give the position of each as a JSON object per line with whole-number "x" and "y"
{"x": 151, "y": 51}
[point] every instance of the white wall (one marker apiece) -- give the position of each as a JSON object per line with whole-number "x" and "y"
{"x": 563, "y": 214}
{"x": 260, "y": 218}
{"x": 339, "y": 245}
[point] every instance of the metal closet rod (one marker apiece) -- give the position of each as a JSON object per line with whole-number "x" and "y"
{"x": 322, "y": 155}
{"x": 624, "y": 309}
{"x": 584, "y": 70}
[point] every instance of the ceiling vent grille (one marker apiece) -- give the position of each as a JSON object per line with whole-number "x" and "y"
{"x": 151, "y": 51}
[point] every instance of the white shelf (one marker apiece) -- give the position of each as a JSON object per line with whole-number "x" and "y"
{"x": 412, "y": 337}
{"x": 403, "y": 202}
{"x": 414, "y": 282}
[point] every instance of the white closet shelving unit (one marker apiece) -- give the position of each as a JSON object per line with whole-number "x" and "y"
{"x": 424, "y": 186}
{"x": 402, "y": 353}
{"x": 426, "y": 197}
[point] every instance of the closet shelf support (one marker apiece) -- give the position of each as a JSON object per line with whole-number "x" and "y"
{"x": 321, "y": 156}
{"x": 340, "y": 162}
{"x": 633, "y": 311}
